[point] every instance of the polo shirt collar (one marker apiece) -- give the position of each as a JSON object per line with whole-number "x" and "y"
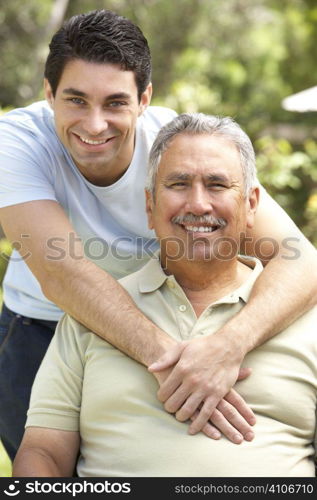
{"x": 152, "y": 277}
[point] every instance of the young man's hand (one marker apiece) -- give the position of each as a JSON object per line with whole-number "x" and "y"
{"x": 232, "y": 417}
{"x": 203, "y": 371}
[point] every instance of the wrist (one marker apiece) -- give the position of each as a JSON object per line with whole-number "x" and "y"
{"x": 235, "y": 341}
{"x": 161, "y": 343}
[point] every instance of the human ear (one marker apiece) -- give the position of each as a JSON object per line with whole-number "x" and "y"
{"x": 252, "y": 204}
{"x": 145, "y": 99}
{"x": 48, "y": 93}
{"x": 149, "y": 208}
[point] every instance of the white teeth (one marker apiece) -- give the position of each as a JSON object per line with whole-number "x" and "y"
{"x": 201, "y": 229}
{"x": 89, "y": 141}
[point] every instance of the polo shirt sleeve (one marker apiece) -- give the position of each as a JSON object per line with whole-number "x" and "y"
{"x": 57, "y": 390}
{"x": 26, "y": 165}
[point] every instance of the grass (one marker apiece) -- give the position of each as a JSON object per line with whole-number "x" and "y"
{"x": 5, "y": 463}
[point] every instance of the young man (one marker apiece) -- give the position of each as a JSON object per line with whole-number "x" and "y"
{"x": 72, "y": 176}
{"x": 202, "y": 196}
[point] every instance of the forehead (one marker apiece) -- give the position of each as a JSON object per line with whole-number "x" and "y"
{"x": 90, "y": 77}
{"x": 200, "y": 154}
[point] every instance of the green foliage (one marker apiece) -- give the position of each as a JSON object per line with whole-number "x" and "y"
{"x": 291, "y": 178}
{"x": 5, "y": 464}
{"x": 5, "y": 252}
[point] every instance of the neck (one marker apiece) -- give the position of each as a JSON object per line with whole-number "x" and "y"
{"x": 208, "y": 281}
{"x": 111, "y": 172}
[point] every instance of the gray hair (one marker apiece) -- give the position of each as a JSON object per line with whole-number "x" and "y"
{"x": 199, "y": 123}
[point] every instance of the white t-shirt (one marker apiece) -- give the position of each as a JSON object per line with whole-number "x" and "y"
{"x": 111, "y": 221}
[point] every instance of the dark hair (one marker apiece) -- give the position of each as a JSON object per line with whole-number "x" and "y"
{"x": 100, "y": 36}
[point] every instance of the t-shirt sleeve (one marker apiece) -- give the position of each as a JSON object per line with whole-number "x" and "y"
{"x": 26, "y": 166}
{"x": 57, "y": 390}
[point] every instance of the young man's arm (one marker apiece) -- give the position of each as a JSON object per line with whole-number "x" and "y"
{"x": 94, "y": 298}
{"x": 286, "y": 288}
{"x": 46, "y": 453}
{"x": 77, "y": 285}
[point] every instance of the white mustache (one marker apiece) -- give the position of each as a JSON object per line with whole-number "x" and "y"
{"x": 199, "y": 219}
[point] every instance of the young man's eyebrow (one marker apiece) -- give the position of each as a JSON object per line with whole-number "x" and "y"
{"x": 79, "y": 93}
{"x": 72, "y": 91}
{"x": 118, "y": 95}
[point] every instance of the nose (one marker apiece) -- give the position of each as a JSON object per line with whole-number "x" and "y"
{"x": 95, "y": 122}
{"x": 199, "y": 200}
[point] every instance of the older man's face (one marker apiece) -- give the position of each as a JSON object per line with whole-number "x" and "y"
{"x": 199, "y": 210}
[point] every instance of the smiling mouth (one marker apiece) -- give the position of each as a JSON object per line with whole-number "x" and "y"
{"x": 200, "y": 229}
{"x": 92, "y": 142}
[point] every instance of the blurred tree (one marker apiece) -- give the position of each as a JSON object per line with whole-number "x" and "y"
{"x": 24, "y": 32}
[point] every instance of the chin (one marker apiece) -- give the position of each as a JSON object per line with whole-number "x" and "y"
{"x": 203, "y": 254}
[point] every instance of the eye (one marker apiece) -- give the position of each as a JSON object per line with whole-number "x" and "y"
{"x": 76, "y": 100}
{"x": 177, "y": 185}
{"x": 117, "y": 104}
{"x": 216, "y": 186}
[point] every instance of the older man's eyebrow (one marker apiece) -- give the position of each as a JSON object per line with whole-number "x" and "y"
{"x": 185, "y": 177}
{"x": 178, "y": 177}
{"x": 216, "y": 178}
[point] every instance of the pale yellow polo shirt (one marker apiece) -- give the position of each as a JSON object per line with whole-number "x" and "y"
{"x": 84, "y": 384}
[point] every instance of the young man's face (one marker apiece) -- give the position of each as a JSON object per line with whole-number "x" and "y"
{"x": 200, "y": 176}
{"x": 96, "y": 107}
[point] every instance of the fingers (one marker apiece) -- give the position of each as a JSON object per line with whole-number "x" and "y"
{"x": 168, "y": 390}
{"x": 240, "y": 405}
{"x": 244, "y": 373}
{"x": 188, "y": 408}
{"x": 185, "y": 397}
{"x": 236, "y": 431}
{"x": 175, "y": 381}
{"x": 209, "y": 430}
{"x": 231, "y": 423}
{"x": 207, "y": 409}
{"x": 228, "y": 421}
{"x": 168, "y": 359}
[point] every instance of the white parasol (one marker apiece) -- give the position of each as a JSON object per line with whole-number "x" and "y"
{"x": 306, "y": 100}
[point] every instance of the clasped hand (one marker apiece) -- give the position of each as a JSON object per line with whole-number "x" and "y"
{"x": 196, "y": 379}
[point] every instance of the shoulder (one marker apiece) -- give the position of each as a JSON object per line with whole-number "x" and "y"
{"x": 32, "y": 125}
{"x": 70, "y": 334}
{"x": 30, "y": 131}
{"x": 34, "y": 115}
{"x": 155, "y": 117}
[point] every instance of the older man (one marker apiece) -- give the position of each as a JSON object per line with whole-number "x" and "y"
{"x": 201, "y": 197}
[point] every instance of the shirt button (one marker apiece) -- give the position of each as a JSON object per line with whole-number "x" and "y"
{"x": 182, "y": 308}
{"x": 171, "y": 284}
